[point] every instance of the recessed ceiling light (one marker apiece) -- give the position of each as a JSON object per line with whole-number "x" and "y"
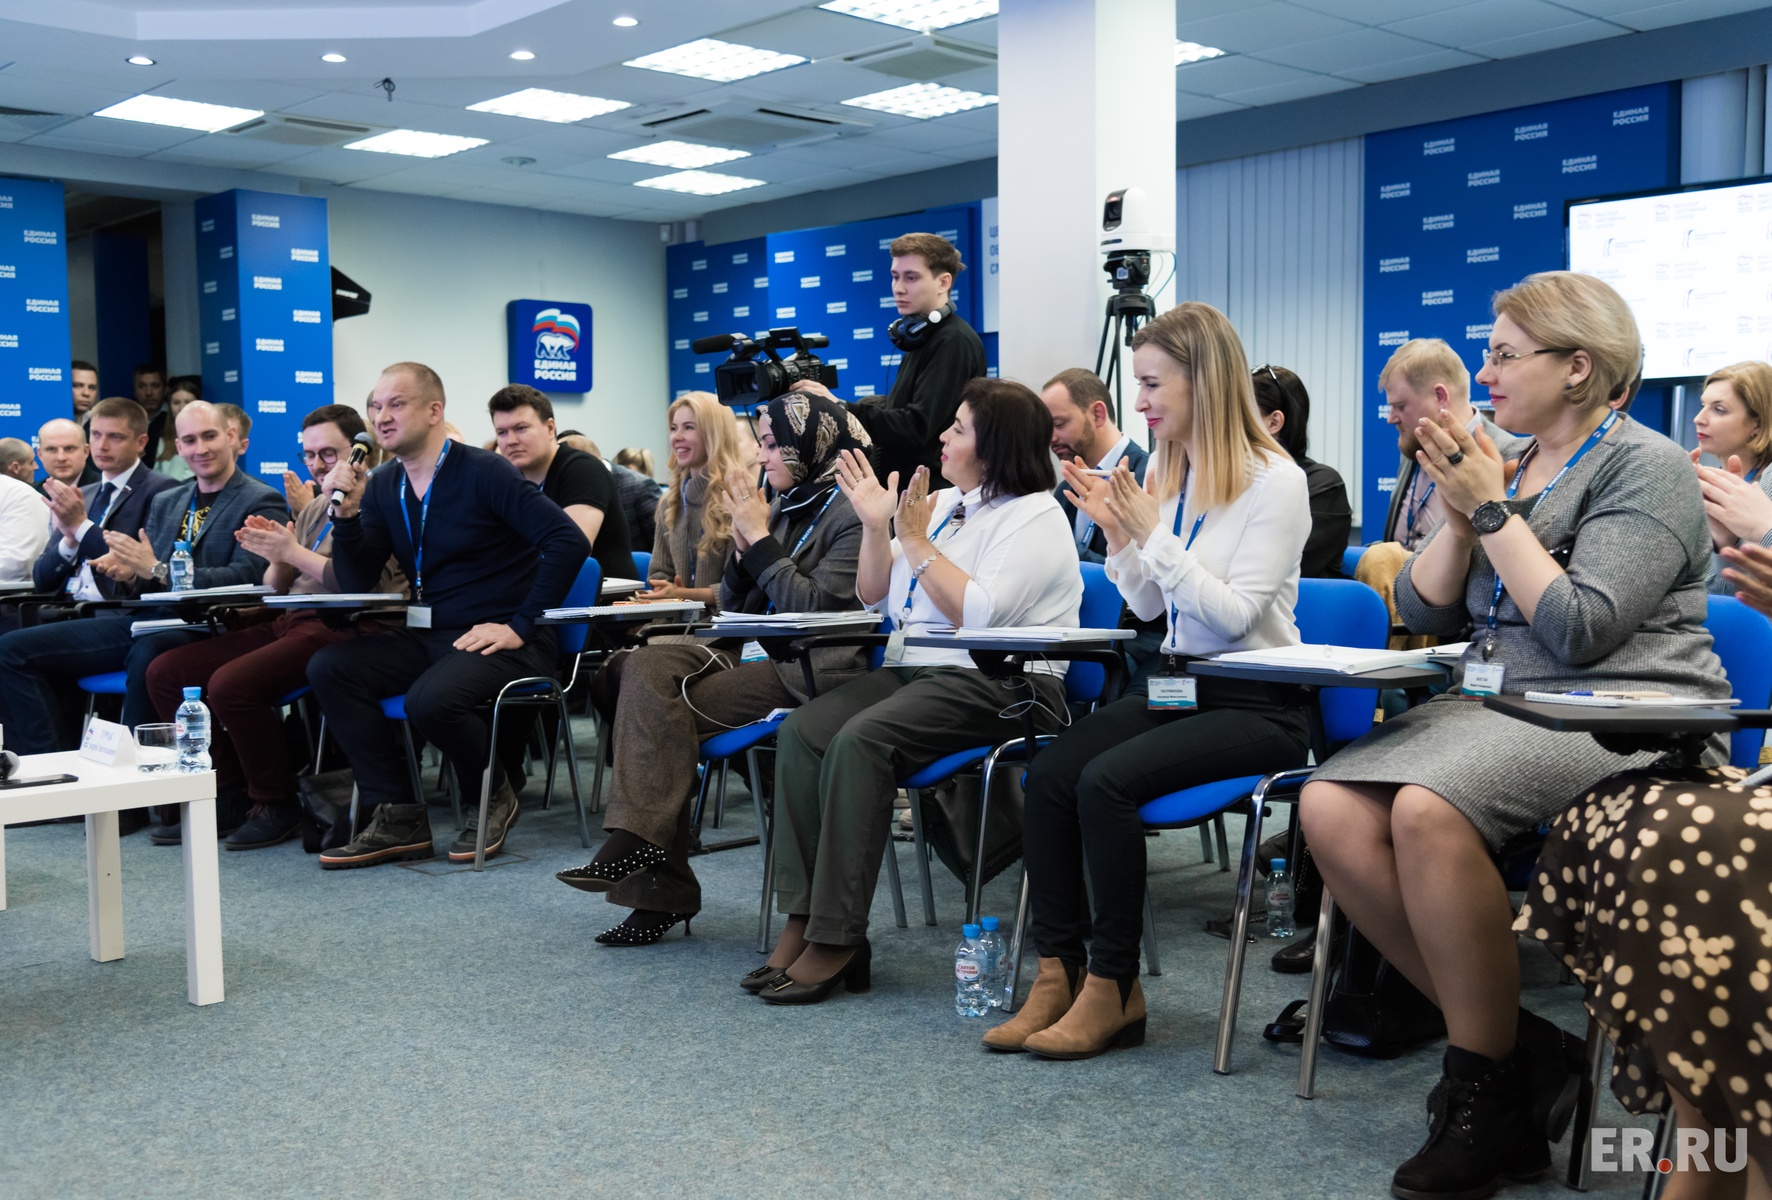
{"x": 922, "y": 100}
{"x": 332, "y": 58}
{"x": 710, "y": 58}
{"x": 700, "y": 183}
{"x": 681, "y": 155}
{"x": 540, "y": 104}
{"x": 180, "y": 114}
{"x": 1187, "y": 52}
{"x": 920, "y": 15}
{"x": 625, "y": 22}
{"x": 522, "y": 55}
{"x": 140, "y": 60}
{"x": 416, "y": 143}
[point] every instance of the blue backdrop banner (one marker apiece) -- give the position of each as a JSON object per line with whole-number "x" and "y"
{"x": 550, "y": 344}
{"x": 34, "y": 349}
{"x": 265, "y": 312}
{"x": 1456, "y": 211}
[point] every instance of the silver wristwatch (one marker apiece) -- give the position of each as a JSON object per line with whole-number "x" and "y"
{"x": 162, "y": 573}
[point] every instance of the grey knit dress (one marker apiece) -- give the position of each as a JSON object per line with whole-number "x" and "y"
{"x": 1627, "y": 523}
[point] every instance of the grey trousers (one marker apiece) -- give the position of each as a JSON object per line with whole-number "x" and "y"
{"x": 837, "y": 765}
{"x": 656, "y": 738}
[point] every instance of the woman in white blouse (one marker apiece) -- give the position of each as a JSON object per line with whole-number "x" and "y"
{"x": 1212, "y": 540}
{"x": 994, "y": 549}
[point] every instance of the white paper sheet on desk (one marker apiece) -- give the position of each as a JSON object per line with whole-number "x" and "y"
{"x": 231, "y": 589}
{"x": 1587, "y": 700}
{"x": 1344, "y": 660}
{"x": 139, "y": 628}
{"x": 297, "y": 601}
{"x": 616, "y": 583}
{"x": 1447, "y": 652}
{"x": 1040, "y": 633}
{"x": 799, "y": 618}
{"x": 651, "y": 607}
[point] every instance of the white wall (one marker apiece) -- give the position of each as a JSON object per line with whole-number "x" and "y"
{"x": 1273, "y": 240}
{"x": 440, "y": 273}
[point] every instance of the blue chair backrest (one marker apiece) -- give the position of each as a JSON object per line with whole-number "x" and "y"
{"x": 1341, "y": 612}
{"x": 1100, "y": 610}
{"x": 1350, "y": 560}
{"x": 1744, "y": 642}
{"x": 583, "y": 594}
{"x": 643, "y": 562}
{"x": 877, "y": 658}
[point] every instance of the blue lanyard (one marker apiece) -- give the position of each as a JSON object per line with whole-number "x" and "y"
{"x": 1751, "y": 475}
{"x": 424, "y": 515}
{"x": 801, "y": 544}
{"x": 1415, "y": 510}
{"x": 191, "y": 516}
{"x": 1513, "y": 488}
{"x": 1181, "y": 503}
{"x": 324, "y": 530}
{"x": 910, "y": 591}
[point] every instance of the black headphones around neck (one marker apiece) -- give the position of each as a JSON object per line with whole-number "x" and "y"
{"x": 909, "y": 332}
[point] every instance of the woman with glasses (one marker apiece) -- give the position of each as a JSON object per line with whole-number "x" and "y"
{"x": 1285, "y": 412}
{"x": 1582, "y": 569}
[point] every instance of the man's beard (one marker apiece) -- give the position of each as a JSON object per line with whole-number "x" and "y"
{"x": 1406, "y": 443}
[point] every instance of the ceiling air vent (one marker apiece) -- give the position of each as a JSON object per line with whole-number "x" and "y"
{"x": 924, "y": 57}
{"x": 29, "y": 120}
{"x": 300, "y": 131}
{"x": 748, "y": 125}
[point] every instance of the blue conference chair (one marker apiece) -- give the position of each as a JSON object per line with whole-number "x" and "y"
{"x": 1743, "y": 641}
{"x": 1350, "y": 560}
{"x": 643, "y": 563}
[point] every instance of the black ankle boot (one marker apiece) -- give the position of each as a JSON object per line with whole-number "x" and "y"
{"x": 1480, "y": 1134}
{"x": 1554, "y": 1065}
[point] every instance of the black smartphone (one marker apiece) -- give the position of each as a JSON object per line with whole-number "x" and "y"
{"x": 40, "y": 781}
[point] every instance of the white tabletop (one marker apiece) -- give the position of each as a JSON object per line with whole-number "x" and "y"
{"x": 338, "y": 600}
{"x": 621, "y": 587}
{"x": 15, "y": 585}
{"x": 96, "y": 789}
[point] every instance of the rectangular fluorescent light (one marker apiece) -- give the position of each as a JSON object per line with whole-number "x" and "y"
{"x": 1187, "y": 52}
{"x": 710, "y": 58}
{"x": 180, "y": 114}
{"x": 700, "y": 183}
{"x": 681, "y": 155}
{"x": 540, "y": 104}
{"x": 922, "y": 16}
{"x": 416, "y": 143}
{"x": 922, "y": 100}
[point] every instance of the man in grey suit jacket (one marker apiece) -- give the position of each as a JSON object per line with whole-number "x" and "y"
{"x": 41, "y": 663}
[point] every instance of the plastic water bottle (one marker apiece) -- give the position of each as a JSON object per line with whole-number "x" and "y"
{"x": 996, "y": 961}
{"x": 192, "y": 725}
{"x": 180, "y": 567}
{"x": 1280, "y": 923}
{"x": 969, "y": 997}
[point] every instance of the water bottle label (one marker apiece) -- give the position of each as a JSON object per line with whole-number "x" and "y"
{"x": 1280, "y": 896}
{"x": 966, "y": 970}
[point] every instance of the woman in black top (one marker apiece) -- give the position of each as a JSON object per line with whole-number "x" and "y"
{"x": 1286, "y": 410}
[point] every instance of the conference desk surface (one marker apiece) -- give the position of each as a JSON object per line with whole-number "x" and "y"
{"x": 1408, "y": 678}
{"x": 1581, "y": 718}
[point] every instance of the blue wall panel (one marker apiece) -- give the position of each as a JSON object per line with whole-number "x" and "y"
{"x": 34, "y": 349}
{"x": 265, "y": 311}
{"x": 1458, "y": 210}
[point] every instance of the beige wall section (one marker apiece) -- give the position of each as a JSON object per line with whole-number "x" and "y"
{"x": 441, "y": 271}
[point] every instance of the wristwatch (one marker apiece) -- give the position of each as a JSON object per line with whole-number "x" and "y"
{"x": 1490, "y": 516}
{"x": 162, "y": 573}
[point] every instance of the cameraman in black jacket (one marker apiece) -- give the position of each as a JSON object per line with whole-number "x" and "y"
{"x": 941, "y": 352}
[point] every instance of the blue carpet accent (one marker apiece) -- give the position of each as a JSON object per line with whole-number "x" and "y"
{"x": 389, "y": 1032}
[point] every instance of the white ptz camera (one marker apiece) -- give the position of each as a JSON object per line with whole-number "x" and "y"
{"x": 1126, "y": 223}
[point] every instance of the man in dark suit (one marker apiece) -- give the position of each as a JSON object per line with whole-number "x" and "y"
{"x": 205, "y": 511}
{"x": 118, "y": 437}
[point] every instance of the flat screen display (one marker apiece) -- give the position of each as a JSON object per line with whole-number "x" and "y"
{"x": 1695, "y": 267}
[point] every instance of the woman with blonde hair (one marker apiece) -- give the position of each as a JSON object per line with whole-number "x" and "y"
{"x": 693, "y": 542}
{"x": 635, "y": 458}
{"x": 1734, "y": 423}
{"x": 1584, "y": 570}
{"x": 1212, "y": 540}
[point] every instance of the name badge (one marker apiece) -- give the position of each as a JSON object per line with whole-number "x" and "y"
{"x": 1483, "y": 679}
{"x": 418, "y": 616}
{"x": 753, "y": 652}
{"x": 894, "y": 648}
{"x": 108, "y": 743}
{"x": 1173, "y": 691}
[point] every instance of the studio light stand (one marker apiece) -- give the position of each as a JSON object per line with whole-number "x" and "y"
{"x": 1127, "y": 309}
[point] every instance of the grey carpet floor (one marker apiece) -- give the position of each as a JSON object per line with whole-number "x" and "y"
{"x": 418, "y": 1033}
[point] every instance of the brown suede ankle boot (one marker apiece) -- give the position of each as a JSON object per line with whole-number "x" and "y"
{"x": 1107, "y": 1013}
{"x": 1048, "y": 1000}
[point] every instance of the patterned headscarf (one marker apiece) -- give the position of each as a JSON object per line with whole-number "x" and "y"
{"x": 811, "y": 432}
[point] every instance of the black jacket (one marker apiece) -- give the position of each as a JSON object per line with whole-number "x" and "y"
{"x": 908, "y": 422}
{"x": 127, "y": 514}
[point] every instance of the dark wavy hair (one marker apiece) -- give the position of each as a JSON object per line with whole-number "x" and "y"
{"x": 1012, "y": 436}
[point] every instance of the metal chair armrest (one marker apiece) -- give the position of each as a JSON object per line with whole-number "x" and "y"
{"x": 801, "y": 650}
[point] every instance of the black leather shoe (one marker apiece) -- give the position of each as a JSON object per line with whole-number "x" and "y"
{"x": 856, "y": 975}
{"x": 1479, "y": 1135}
{"x": 601, "y": 875}
{"x": 763, "y": 977}
{"x": 265, "y": 826}
{"x": 1297, "y": 958}
{"x": 644, "y": 928}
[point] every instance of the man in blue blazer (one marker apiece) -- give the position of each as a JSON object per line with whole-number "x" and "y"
{"x": 118, "y": 437}
{"x": 41, "y": 663}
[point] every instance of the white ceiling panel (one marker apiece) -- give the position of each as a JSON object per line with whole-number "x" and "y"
{"x": 130, "y": 135}
{"x": 1298, "y": 89}
{"x": 1660, "y": 16}
{"x": 339, "y": 166}
{"x": 1256, "y": 29}
{"x": 221, "y": 150}
{"x": 1236, "y": 73}
{"x": 1380, "y": 12}
{"x": 1548, "y": 39}
{"x": 52, "y": 96}
{"x": 1188, "y": 106}
{"x": 1486, "y": 21}
{"x": 1401, "y": 68}
{"x": 50, "y": 141}
{"x": 1349, "y": 51}
{"x": 814, "y": 33}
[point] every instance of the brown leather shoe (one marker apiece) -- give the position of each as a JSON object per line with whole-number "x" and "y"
{"x": 1048, "y": 1000}
{"x": 1102, "y": 1017}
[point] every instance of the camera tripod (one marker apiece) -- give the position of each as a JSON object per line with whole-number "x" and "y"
{"x": 1127, "y": 309}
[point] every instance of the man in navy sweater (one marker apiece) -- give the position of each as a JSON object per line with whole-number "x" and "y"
{"x": 486, "y": 553}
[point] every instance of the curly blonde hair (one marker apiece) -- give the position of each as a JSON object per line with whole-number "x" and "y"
{"x": 719, "y": 439}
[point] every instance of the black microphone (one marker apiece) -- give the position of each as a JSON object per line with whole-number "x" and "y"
{"x": 716, "y": 343}
{"x": 360, "y": 447}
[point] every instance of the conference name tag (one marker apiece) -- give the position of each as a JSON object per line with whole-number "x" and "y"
{"x": 1173, "y": 691}
{"x": 418, "y": 616}
{"x": 107, "y": 742}
{"x": 753, "y": 652}
{"x": 1483, "y": 679}
{"x": 894, "y": 647}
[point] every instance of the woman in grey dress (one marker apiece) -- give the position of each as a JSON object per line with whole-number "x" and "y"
{"x": 1582, "y": 569}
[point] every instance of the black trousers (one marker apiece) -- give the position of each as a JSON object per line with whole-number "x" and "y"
{"x": 444, "y": 689}
{"x": 1083, "y": 795}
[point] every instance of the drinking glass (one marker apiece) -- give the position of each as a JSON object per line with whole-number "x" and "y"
{"x": 156, "y": 748}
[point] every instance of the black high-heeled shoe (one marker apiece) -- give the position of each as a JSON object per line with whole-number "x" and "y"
{"x": 856, "y": 975}
{"x": 602, "y": 875}
{"x": 763, "y": 977}
{"x": 644, "y": 927}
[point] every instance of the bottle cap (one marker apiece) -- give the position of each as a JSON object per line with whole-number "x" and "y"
{"x": 1278, "y": 864}
{"x": 970, "y": 931}
{"x": 195, "y": 693}
{"x": 991, "y": 924}
{"x": 185, "y": 546}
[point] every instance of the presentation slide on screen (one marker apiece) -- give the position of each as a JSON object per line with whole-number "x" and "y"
{"x": 1695, "y": 267}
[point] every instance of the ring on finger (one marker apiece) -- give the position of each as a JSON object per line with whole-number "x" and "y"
{"x": 1454, "y": 458}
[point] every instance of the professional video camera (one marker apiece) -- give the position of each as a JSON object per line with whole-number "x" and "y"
{"x": 755, "y": 373}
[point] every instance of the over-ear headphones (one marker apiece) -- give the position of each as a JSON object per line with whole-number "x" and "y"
{"x": 907, "y": 333}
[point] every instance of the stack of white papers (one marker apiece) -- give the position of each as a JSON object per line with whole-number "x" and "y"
{"x": 231, "y": 589}
{"x": 1343, "y": 660}
{"x": 796, "y": 618}
{"x": 1036, "y": 633}
{"x": 1589, "y": 700}
{"x": 647, "y": 608}
{"x": 1449, "y": 652}
{"x": 617, "y": 586}
{"x": 139, "y": 628}
{"x": 308, "y": 598}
